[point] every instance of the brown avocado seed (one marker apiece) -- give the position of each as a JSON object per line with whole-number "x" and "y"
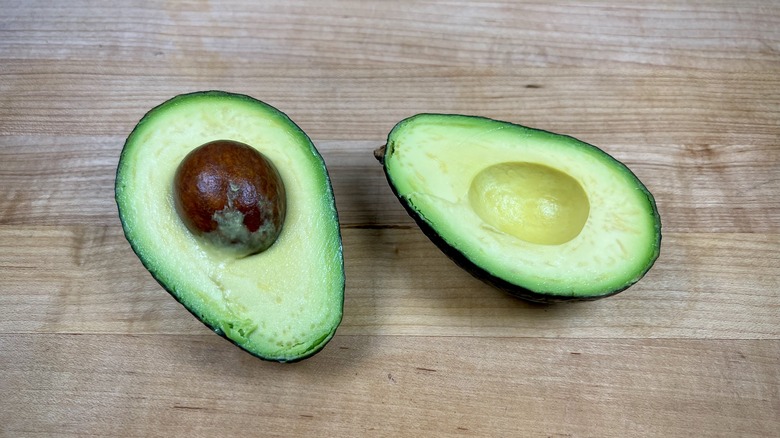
{"x": 232, "y": 195}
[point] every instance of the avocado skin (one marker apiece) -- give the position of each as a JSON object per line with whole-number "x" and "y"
{"x": 487, "y": 277}
{"x": 213, "y": 325}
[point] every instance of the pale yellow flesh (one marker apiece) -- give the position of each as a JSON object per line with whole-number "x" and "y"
{"x": 435, "y": 163}
{"x": 281, "y": 302}
{"x": 530, "y": 201}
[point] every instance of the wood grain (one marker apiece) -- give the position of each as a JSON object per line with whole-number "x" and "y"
{"x": 391, "y": 386}
{"x": 627, "y": 104}
{"x": 687, "y": 93}
{"x": 713, "y": 35}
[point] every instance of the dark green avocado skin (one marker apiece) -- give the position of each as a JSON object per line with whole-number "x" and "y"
{"x": 487, "y": 277}
{"x": 138, "y": 251}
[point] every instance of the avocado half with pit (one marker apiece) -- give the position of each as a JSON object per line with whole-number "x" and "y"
{"x": 543, "y": 216}
{"x": 229, "y": 206}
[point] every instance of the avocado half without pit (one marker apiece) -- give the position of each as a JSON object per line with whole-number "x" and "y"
{"x": 543, "y": 216}
{"x": 229, "y": 206}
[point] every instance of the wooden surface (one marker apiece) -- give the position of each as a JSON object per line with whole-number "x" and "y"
{"x": 686, "y": 93}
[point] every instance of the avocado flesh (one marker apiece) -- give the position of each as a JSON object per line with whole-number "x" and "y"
{"x": 603, "y": 239}
{"x": 283, "y": 304}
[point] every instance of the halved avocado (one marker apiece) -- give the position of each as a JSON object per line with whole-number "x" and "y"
{"x": 543, "y": 216}
{"x": 282, "y": 304}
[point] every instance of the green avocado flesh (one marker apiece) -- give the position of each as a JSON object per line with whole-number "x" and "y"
{"x": 541, "y": 215}
{"x": 283, "y": 304}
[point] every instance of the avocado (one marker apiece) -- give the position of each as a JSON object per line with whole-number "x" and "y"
{"x": 229, "y": 206}
{"x": 545, "y": 217}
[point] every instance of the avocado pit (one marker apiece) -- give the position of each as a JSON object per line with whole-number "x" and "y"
{"x": 231, "y": 195}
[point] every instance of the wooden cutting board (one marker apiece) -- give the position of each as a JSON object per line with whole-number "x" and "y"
{"x": 686, "y": 93}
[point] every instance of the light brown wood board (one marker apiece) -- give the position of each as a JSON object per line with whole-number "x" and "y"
{"x": 686, "y": 93}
